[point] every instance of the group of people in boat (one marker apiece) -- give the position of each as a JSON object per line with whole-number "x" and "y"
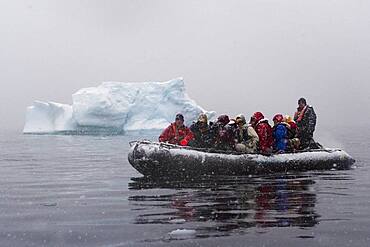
{"x": 286, "y": 135}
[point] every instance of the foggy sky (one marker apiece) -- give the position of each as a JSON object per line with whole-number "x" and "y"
{"x": 235, "y": 56}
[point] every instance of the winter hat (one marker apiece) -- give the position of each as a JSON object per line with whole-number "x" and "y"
{"x": 278, "y": 118}
{"x": 302, "y": 100}
{"x": 258, "y": 116}
{"x": 179, "y": 116}
{"x": 224, "y": 119}
{"x": 203, "y": 118}
{"x": 241, "y": 117}
{"x": 288, "y": 119}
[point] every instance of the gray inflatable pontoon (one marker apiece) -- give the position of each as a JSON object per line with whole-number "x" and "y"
{"x": 162, "y": 159}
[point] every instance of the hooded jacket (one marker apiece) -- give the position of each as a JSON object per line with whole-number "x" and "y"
{"x": 174, "y": 135}
{"x": 223, "y": 133}
{"x": 264, "y": 132}
{"x": 280, "y": 134}
{"x": 246, "y": 135}
{"x": 202, "y": 135}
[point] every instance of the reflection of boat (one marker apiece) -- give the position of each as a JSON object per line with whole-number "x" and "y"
{"x": 223, "y": 205}
{"x": 161, "y": 159}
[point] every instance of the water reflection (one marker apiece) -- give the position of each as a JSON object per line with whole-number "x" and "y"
{"x": 223, "y": 205}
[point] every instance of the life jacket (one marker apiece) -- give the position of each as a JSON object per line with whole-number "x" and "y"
{"x": 174, "y": 135}
{"x": 299, "y": 114}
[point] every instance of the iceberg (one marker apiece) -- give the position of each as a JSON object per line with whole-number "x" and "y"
{"x": 115, "y": 108}
{"x": 48, "y": 117}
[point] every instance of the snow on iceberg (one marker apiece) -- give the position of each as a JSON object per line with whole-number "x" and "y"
{"x": 115, "y": 108}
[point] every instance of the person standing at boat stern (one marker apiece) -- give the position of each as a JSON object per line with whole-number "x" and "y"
{"x": 305, "y": 118}
{"x": 202, "y": 136}
{"x": 177, "y": 133}
{"x": 264, "y": 132}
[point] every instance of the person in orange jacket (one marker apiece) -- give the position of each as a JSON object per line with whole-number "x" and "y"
{"x": 177, "y": 133}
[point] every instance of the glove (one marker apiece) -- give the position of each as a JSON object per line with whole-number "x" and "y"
{"x": 184, "y": 142}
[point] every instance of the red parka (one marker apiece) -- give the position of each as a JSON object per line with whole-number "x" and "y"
{"x": 264, "y": 132}
{"x": 179, "y": 136}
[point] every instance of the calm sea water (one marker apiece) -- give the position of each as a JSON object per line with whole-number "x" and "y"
{"x": 81, "y": 191}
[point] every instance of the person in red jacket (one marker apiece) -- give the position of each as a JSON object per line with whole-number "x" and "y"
{"x": 177, "y": 133}
{"x": 264, "y": 132}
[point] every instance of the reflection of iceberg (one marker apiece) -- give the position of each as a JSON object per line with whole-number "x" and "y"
{"x": 221, "y": 205}
{"x": 115, "y": 108}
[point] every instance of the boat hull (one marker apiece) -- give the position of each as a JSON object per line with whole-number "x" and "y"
{"x": 160, "y": 159}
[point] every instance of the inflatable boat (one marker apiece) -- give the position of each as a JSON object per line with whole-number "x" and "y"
{"x": 162, "y": 159}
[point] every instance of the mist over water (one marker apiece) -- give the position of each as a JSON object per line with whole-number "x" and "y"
{"x": 235, "y": 56}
